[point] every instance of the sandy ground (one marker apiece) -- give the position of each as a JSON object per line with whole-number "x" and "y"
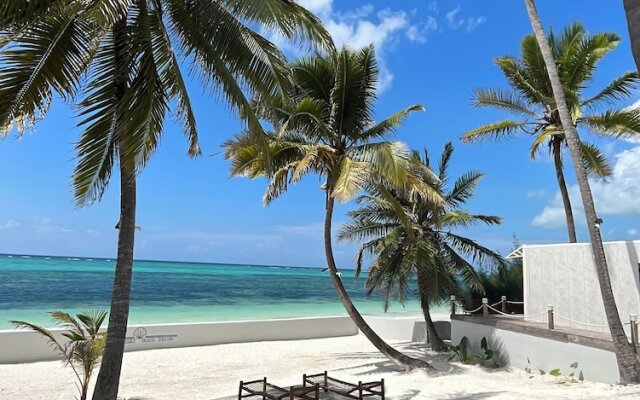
{"x": 213, "y": 372}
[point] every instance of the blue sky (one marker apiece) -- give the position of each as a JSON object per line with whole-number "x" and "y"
{"x": 431, "y": 52}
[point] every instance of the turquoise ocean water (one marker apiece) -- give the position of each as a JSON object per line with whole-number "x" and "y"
{"x": 168, "y": 292}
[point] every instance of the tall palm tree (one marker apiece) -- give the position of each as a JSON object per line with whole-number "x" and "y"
{"x": 632, "y": 12}
{"x": 329, "y": 130}
{"x": 130, "y": 53}
{"x": 530, "y": 98}
{"x": 411, "y": 237}
{"x": 628, "y": 361}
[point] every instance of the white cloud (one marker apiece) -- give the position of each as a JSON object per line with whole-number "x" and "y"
{"x": 361, "y": 26}
{"x": 473, "y": 23}
{"x": 418, "y": 33}
{"x": 92, "y": 233}
{"x": 322, "y": 8}
{"x": 359, "y": 33}
{"x": 536, "y": 193}
{"x": 552, "y": 217}
{"x": 456, "y": 22}
{"x": 310, "y": 229}
{"x": 632, "y": 232}
{"x": 10, "y": 224}
{"x": 353, "y": 30}
{"x": 433, "y": 7}
{"x": 619, "y": 196}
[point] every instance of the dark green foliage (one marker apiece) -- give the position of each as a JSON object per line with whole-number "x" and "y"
{"x": 505, "y": 281}
{"x": 463, "y": 352}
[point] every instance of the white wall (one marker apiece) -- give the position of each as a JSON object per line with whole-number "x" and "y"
{"x": 24, "y": 346}
{"x": 564, "y": 275}
{"x": 408, "y": 329}
{"x": 18, "y": 346}
{"x": 516, "y": 348}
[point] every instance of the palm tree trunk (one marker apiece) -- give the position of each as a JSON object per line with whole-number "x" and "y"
{"x": 432, "y": 335}
{"x": 632, "y": 10}
{"x": 394, "y": 355}
{"x": 628, "y": 361}
{"x": 109, "y": 376}
{"x": 568, "y": 212}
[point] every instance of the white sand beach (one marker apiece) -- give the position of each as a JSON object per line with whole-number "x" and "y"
{"x": 213, "y": 372}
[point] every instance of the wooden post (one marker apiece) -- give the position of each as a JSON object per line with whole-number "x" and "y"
{"x": 634, "y": 331}
{"x": 317, "y": 391}
{"x": 326, "y": 382}
{"x": 453, "y": 304}
{"x": 550, "y": 317}
{"x": 503, "y": 299}
{"x": 240, "y": 391}
{"x": 382, "y": 388}
{"x": 360, "y": 390}
{"x": 485, "y": 307}
{"x": 264, "y": 388}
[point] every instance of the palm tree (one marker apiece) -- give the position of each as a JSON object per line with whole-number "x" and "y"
{"x": 531, "y": 100}
{"x": 83, "y": 345}
{"x": 632, "y": 11}
{"x": 126, "y": 49}
{"x": 628, "y": 361}
{"x": 329, "y": 130}
{"x": 413, "y": 237}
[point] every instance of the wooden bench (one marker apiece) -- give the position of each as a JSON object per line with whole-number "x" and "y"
{"x": 360, "y": 391}
{"x": 267, "y": 390}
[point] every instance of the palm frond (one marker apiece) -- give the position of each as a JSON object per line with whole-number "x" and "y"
{"x": 172, "y": 80}
{"x": 390, "y": 124}
{"x": 518, "y": 77}
{"x": 578, "y": 67}
{"x": 594, "y": 161}
{"x": 354, "y": 91}
{"x": 478, "y": 254}
{"x": 501, "y": 99}
{"x": 457, "y": 219}
{"x": 546, "y": 133}
{"x": 48, "y": 57}
{"x": 496, "y": 131}
{"x": 623, "y": 123}
{"x": 287, "y": 18}
{"x": 621, "y": 88}
{"x": 387, "y": 160}
{"x": 350, "y": 177}
{"x": 97, "y": 148}
{"x": 463, "y": 188}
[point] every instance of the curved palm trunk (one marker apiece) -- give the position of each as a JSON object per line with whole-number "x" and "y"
{"x": 568, "y": 212}
{"x": 628, "y": 361}
{"x": 632, "y": 11}
{"x": 432, "y": 335}
{"x": 394, "y": 355}
{"x": 109, "y": 375}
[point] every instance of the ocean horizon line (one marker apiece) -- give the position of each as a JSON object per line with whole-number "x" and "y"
{"x": 108, "y": 259}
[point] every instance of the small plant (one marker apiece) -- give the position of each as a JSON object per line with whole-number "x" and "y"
{"x": 572, "y": 377}
{"x": 555, "y": 372}
{"x": 461, "y": 351}
{"x": 530, "y": 368}
{"x": 82, "y": 350}
{"x": 487, "y": 353}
